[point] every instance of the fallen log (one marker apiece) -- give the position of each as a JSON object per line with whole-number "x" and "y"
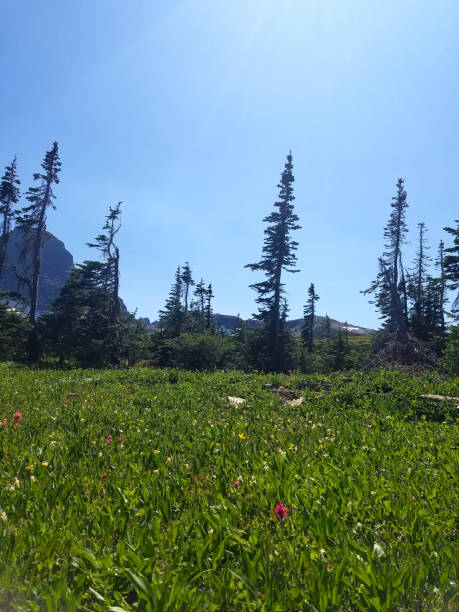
{"x": 440, "y": 398}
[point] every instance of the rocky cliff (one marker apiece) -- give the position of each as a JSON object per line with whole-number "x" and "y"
{"x": 55, "y": 270}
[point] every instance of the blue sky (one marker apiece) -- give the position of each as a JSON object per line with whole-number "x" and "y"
{"x": 185, "y": 110}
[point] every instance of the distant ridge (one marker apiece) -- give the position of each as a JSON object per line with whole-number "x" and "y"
{"x": 227, "y": 323}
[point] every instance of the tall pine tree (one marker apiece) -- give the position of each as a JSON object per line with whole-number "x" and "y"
{"x": 9, "y": 197}
{"x": 309, "y": 314}
{"x": 387, "y": 287}
{"x": 278, "y": 255}
{"x": 32, "y": 221}
{"x": 171, "y": 318}
{"x": 451, "y": 265}
{"x": 105, "y": 243}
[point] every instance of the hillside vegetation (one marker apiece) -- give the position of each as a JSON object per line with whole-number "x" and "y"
{"x": 162, "y": 490}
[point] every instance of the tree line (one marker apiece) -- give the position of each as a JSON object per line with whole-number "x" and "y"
{"x": 88, "y": 324}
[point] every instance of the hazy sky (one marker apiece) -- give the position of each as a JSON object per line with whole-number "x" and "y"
{"x": 185, "y": 110}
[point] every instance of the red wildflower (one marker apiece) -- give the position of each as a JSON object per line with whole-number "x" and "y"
{"x": 104, "y": 475}
{"x": 4, "y": 422}
{"x": 281, "y": 512}
{"x": 17, "y": 416}
{"x": 236, "y": 483}
{"x": 120, "y": 439}
{"x": 109, "y": 439}
{"x": 102, "y": 493}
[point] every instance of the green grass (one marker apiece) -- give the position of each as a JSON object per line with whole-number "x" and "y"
{"x": 155, "y": 522}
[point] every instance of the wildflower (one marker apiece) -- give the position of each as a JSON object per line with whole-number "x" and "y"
{"x": 156, "y": 451}
{"x": 4, "y": 423}
{"x": 109, "y": 439}
{"x": 236, "y": 483}
{"x": 282, "y": 452}
{"x": 30, "y": 467}
{"x": 100, "y": 454}
{"x": 3, "y": 516}
{"x": 104, "y": 475}
{"x": 318, "y": 502}
{"x": 81, "y": 420}
{"x": 323, "y": 553}
{"x": 211, "y": 531}
{"x": 52, "y": 443}
{"x": 378, "y": 549}
{"x": 45, "y": 463}
{"x": 120, "y": 439}
{"x": 17, "y": 482}
{"x": 17, "y": 416}
{"x": 373, "y": 493}
{"x": 241, "y": 436}
{"x": 32, "y": 478}
{"x": 102, "y": 493}
{"x": 281, "y": 512}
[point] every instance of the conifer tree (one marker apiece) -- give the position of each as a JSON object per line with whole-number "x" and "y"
{"x": 451, "y": 264}
{"x": 9, "y": 197}
{"x": 417, "y": 286}
{"x": 209, "y": 296}
{"x": 171, "y": 318}
{"x": 200, "y": 293}
{"x": 440, "y": 265}
{"x": 105, "y": 243}
{"x": 32, "y": 221}
{"x": 309, "y": 313}
{"x": 278, "y": 255}
{"x": 340, "y": 351}
{"x": 386, "y": 286}
{"x": 327, "y": 326}
{"x": 187, "y": 281}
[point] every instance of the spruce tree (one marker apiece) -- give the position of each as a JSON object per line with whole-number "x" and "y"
{"x": 417, "y": 286}
{"x": 278, "y": 255}
{"x": 440, "y": 265}
{"x": 327, "y": 326}
{"x": 187, "y": 281}
{"x": 386, "y": 286}
{"x": 309, "y": 313}
{"x": 9, "y": 197}
{"x": 171, "y": 318}
{"x": 105, "y": 243}
{"x": 32, "y": 221}
{"x": 209, "y": 296}
{"x": 200, "y": 293}
{"x": 451, "y": 264}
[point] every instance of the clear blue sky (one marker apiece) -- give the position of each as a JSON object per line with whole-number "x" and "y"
{"x": 185, "y": 109}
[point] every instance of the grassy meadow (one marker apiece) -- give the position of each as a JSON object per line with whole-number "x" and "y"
{"x": 159, "y": 490}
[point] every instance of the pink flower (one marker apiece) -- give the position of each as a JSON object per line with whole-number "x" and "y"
{"x": 17, "y": 416}
{"x": 281, "y": 512}
{"x": 109, "y": 439}
{"x": 102, "y": 493}
{"x": 17, "y": 425}
{"x": 104, "y": 475}
{"x": 4, "y": 423}
{"x": 236, "y": 483}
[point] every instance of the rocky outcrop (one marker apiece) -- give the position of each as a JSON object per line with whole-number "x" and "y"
{"x": 55, "y": 270}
